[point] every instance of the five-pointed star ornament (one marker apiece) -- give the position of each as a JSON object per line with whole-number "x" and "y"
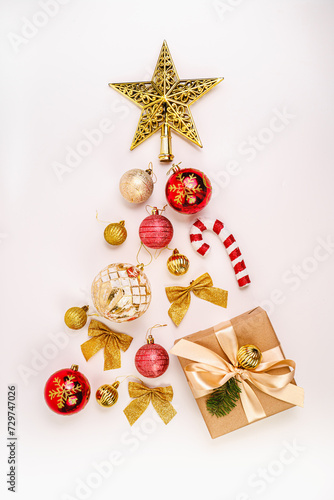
{"x": 165, "y": 102}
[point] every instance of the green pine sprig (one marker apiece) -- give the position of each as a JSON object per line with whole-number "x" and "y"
{"x": 223, "y": 399}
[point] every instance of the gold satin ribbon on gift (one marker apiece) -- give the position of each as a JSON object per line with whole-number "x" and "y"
{"x": 112, "y": 342}
{"x": 202, "y": 287}
{"x": 211, "y": 371}
{"x": 160, "y": 398}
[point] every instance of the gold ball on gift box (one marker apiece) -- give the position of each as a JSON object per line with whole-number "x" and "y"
{"x": 115, "y": 233}
{"x": 76, "y": 317}
{"x": 249, "y": 356}
{"x": 136, "y": 185}
{"x": 107, "y": 395}
{"x": 177, "y": 263}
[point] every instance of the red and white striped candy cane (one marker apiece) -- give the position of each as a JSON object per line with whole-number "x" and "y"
{"x": 228, "y": 240}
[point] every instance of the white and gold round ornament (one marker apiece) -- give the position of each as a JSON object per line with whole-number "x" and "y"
{"x": 121, "y": 292}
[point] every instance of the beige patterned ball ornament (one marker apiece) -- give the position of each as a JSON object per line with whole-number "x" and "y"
{"x": 136, "y": 185}
{"x": 121, "y": 292}
{"x": 249, "y": 356}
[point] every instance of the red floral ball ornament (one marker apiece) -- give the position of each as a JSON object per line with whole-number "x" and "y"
{"x": 188, "y": 190}
{"x": 151, "y": 359}
{"x": 67, "y": 391}
{"x": 156, "y": 231}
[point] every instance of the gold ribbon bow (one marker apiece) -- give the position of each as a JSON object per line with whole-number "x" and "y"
{"x": 112, "y": 342}
{"x": 202, "y": 287}
{"x": 211, "y": 371}
{"x": 160, "y": 398}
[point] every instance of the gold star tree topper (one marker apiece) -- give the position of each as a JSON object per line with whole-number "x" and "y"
{"x": 165, "y": 102}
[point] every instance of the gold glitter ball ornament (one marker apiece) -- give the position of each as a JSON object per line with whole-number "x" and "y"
{"x": 107, "y": 395}
{"x": 136, "y": 185}
{"x": 177, "y": 263}
{"x": 249, "y": 356}
{"x": 121, "y": 292}
{"x": 76, "y": 317}
{"x": 115, "y": 233}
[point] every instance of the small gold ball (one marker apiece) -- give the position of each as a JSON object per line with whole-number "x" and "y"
{"x": 115, "y": 233}
{"x": 76, "y": 317}
{"x": 177, "y": 263}
{"x": 249, "y": 356}
{"x": 107, "y": 395}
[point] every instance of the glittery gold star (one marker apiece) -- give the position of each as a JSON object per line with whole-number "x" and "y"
{"x": 165, "y": 102}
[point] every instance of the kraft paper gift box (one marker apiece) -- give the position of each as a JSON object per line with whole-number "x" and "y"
{"x": 252, "y": 327}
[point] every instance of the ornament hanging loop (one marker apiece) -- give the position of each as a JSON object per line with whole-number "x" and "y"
{"x": 155, "y": 210}
{"x": 149, "y": 206}
{"x": 174, "y": 168}
{"x": 102, "y": 221}
{"x": 125, "y": 377}
{"x": 149, "y": 169}
{"x": 150, "y": 172}
{"x": 149, "y": 336}
{"x": 158, "y": 251}
{"x": 140, "y": 264}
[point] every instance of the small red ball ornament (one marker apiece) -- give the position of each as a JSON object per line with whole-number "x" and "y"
{"x": 156, "y": 231}
{"x": 151, "y": 359}
{"x": 188, "y": 190}
{"x": 67, "y": 391}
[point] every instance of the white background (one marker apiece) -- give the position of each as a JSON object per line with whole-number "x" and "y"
{"x": 275, "y": 56}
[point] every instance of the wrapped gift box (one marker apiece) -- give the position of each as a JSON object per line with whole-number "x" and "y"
{"x": 252, "y": 327}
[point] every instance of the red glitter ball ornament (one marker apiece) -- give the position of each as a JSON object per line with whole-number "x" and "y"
{"x": 156, "y": 231}
{"x": 67, "y": 391}
{"x": 188, "y": 190}
{"x": 151, "y": 359}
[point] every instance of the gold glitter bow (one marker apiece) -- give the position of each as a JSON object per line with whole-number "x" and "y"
{"x": 112, "y": 342}
{"x": 159, "y": 396}
{"x": 202, "y": 287}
